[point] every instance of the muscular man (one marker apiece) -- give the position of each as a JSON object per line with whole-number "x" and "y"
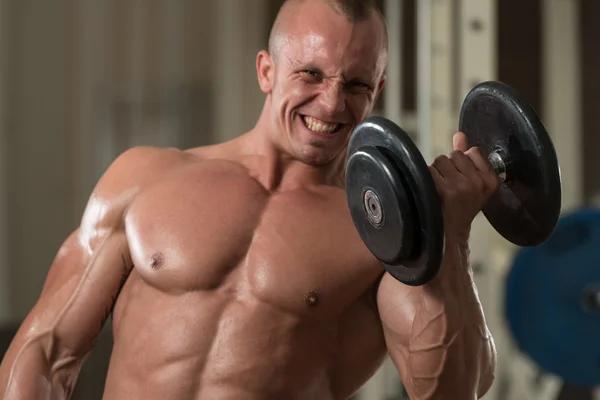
{"x": 234, "y": 271}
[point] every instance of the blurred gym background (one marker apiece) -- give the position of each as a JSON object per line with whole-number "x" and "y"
{"x": 83, "y": 80}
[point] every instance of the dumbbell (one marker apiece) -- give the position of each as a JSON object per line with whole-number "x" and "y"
{"x": 394, "y": 203}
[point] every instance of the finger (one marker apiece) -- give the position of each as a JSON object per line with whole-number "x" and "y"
{"x": 483, "y": 165}
{"x": 460, "y": 142}
{"x": 463, "y": 164}
{"x": 479, "y": 160}
{"x": 438, "y": 180}
{"x": 446, "y": 168}
{"x": 473, "y": 176}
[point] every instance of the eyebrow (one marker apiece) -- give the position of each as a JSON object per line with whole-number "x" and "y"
{"x": 311, "y": 65}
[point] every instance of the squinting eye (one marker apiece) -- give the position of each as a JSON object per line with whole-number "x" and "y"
{"x": 311, "y": 74}
{"x": 359, "y": 86}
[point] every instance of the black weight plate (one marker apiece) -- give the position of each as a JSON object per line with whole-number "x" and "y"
{"x": 526, "y": 208}
{"x": 552, "y": 301}
{"x": 425, "y": 258}
{"x": 379, "y": 205}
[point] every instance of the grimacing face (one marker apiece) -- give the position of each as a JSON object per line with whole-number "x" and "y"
{"x": 324, "y": 79}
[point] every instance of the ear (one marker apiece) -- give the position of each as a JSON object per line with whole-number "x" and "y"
{"x": 265, "y": 71}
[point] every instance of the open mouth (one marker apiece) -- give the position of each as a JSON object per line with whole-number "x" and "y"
{"x": 319, "y": 126}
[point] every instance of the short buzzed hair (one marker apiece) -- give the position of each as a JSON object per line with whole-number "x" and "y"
{"x": 353, "y": 10}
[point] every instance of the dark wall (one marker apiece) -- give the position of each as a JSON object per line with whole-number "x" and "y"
{"x": 590, "y": 79}
{"x": 520, "y": 47}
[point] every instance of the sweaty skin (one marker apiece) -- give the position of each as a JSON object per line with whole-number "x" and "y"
{"x": 234, "y": 271}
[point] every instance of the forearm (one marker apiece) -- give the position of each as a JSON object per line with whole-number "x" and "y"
{"x": 27, "y": 372}
{"x": 453, "y": 289}
{"x": 451, "y": 351}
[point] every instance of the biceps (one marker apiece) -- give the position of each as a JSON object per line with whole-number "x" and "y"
{"x": 80, "y": 291}
{"x": 396, "y": 303}
{"x": 415, "y": 353}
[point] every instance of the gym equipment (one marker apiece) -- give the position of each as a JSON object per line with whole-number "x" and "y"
{"x": 393, "y": 201}
{"x": 552, "y": 300}
{"x": 526, "y": 208}
{"x": 392, "y": 196}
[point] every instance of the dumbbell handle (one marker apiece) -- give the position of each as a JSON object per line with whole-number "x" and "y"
{"x": 499, "y": 164}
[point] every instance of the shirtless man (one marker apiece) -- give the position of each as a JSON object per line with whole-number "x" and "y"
{"x": 234, "y": 271}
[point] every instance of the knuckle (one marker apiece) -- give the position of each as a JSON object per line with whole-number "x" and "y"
{"x": 440, "y": 159}
{"x": 441, "y": 163}
{"x": 457, "y": 154}
{"x": 475, "y": 150}
{"x": 475, "y": 153}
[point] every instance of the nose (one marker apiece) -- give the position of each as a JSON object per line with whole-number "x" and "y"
{"x": 333, "y": 99}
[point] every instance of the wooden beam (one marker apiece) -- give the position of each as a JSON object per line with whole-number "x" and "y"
{"x": 5, "y": 292}
{"x": 561, "y": 103}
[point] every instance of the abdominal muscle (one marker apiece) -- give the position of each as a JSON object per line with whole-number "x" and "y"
{"x": 212, "y": 345}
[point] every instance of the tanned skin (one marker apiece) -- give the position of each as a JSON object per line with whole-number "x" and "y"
{"x": 234, "y": 271}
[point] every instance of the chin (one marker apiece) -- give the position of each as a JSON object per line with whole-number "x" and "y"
{"x": 314, "y": 148}
{"x": 317, "y": 156}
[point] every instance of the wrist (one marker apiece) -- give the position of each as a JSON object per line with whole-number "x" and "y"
{"x": 457, "y": 237}
{"x": 454, "y": 269}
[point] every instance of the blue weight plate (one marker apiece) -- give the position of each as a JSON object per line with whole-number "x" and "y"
{"x": 553, "y": 300}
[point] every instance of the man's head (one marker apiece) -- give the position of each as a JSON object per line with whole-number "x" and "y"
{"x": 322, "y": 74}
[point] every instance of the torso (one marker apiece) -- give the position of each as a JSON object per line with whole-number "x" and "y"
{"x": 239, "y": 293}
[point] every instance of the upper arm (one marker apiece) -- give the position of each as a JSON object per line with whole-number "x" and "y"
{"x": 413, "y": 347}
{"x": 89, "y": 269}
{"x": 396, "y": 304}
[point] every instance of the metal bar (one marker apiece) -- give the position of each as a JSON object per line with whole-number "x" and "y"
{"x": 478, "y": 33}
{"x": 443, "y": 115}
{"x": 137, "y": 75}
{"x": 561, "y": 105}
{"x": 424, "y": 68}
{"x": 393, "y": 88}
{"x": 93, "y": 127}
{"x": 229, "y": 68}
{"x": 171, "y": 69}
{"x": 5, "y": 292}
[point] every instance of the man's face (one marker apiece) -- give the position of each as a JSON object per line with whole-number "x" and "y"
{"x": 323, "y": 80}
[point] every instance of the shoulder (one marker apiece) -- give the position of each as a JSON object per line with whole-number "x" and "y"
{"x": 126, "y": 176}
{"x": 144, "y": 161}
{"x": 140, "y": 165}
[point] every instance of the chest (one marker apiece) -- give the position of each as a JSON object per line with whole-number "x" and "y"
{"x": 220, "y": 230}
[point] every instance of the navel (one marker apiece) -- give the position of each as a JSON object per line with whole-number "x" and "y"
{"x": 157, "y": 260}
{"x": 311, "y": 299}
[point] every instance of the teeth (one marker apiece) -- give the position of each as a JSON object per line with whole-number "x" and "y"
{"x": 319, "y": 126}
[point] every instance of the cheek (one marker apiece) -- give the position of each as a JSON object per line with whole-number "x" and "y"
{"x": 361, "y": 106}
{"x": 295, "y": 93}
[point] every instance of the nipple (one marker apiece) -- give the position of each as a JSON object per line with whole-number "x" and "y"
{"x": 311, "y": 299}
{"x": 157, "y": 260}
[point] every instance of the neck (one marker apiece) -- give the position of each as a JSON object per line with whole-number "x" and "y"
{"x": 277, "y": 169}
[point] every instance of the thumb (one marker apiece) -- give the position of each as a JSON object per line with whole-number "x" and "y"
{"x": 460, "y": 142}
